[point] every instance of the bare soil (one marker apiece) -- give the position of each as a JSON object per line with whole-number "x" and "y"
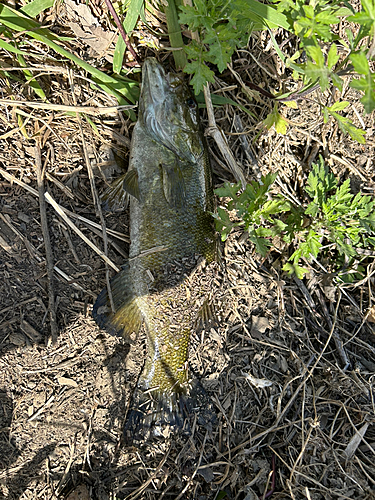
{"x": 295, "y": 420}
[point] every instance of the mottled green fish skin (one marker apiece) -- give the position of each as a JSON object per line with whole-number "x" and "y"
{"x": 170, "y": 226}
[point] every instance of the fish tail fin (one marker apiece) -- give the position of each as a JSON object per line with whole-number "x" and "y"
{"x": 156, "y": 415}
{"x": 126, "y": 317}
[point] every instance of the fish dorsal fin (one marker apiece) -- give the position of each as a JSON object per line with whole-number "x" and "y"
{"x": 173, "y": 184}
{"x": 115, "y": 197}
{"x": 127, "y": 317}
{"x": 131, "y": 184}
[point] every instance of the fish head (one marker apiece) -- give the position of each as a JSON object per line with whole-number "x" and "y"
{"x": 169, "y": 112}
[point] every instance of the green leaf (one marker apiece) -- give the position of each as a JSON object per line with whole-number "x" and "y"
{"x": 312, "y": 209}
{"x": 288, "y": 61}
{"x": 202, "y": 75}
{"x": 326, "y": 17}
{"x": 266, "y": 14}
{"x": 134, "y": 10}
{"x": 33, "y": 9}
{"x": 343, "y": 192}
{"x": 196, "y": 16}
{"x": 221, "y": 494}
{"x": 366, "y": 16}
{"x": 118, "y": 55}
{"x": 313, "y": 243}
{"x": 339, "y": 106}
{"x": 275, "y": 118}
{"x": 261, "y": 244}
{"x": 220, "y": 51}
{"x": 345, "y": 248}
{"x": 223, "y": 224}
{"x": 31, "y": 79}
{"x": 333, "y": 56}
{"x": 228, "y": 190}
{"x": 360, "y": 63}
{"x": 317, "y": 70}
{"x": 366, "y": 83}
{"x": 293, "y": 268}
{"x": 347, "y": 126}
{"x": 92, "y": 125}
{"x": 275, "y": 206}
{"x": 337, "y": 81}
{"x": 10, "y": 48}
{"x": 220, "y": 100}
{"x": 319, "y": 182}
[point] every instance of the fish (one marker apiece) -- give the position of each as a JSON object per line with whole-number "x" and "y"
{"x": 169, "y": 183}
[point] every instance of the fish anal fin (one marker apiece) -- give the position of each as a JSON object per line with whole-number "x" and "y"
{"x": 173, "y": 184}
{"x": 126, "y": 317}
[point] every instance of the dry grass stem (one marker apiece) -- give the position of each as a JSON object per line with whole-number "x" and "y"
{"x": 65, "y": 218}
{"x": 89, "y": 110}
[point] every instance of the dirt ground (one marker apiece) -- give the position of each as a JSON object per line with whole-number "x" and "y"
{"x": 290, "y": 366}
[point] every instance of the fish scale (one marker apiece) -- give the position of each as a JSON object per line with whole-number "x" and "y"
{"x": 171, "y": 231}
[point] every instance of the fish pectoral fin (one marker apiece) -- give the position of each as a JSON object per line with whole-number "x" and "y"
{"x": 131, "y": 184}
{"x": 173, "y": 184}
{"x": 115, "y": 197}
{"x": 126, "y": 317}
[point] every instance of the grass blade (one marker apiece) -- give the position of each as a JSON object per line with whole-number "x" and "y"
{"x": 264, "y": 11}
{"x": 13, "y": 20}
{"x": 35, "y": 7}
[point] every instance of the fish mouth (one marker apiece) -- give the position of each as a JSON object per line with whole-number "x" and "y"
{"x": 154, "y": 82}
{"x": 161, "y": 110}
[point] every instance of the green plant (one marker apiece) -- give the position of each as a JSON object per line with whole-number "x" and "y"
{"x": 19, "y": 30}
{"x": 221, "y": 28}
{"x": 224, "y": 26}
{"x": 334, "y": 216}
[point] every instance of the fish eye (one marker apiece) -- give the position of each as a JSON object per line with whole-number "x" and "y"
{"x": 190, "y": 102}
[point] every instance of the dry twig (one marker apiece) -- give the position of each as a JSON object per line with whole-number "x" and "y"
{"x": 47, "y": 243}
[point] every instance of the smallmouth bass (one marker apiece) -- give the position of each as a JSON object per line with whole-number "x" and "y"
{"x": 171, "y": 228}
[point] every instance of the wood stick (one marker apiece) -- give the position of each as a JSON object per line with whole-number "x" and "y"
{"x": 60, "y": 211}
{"x": 220, "y": 139}
{"x": 95, "y": 197}
{"x": 47, "y": 244}
{"x": 89, "y": 110}
{"x": 11, "y": 178}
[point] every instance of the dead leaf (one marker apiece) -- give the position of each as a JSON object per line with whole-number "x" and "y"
{"x": 259, "y": 325}
{"x": 207, "y": 473}
{"x": 330, "y": 293}
{"x": 79, "y": 493}
{"x": 5, "y": 245}
{"x": 86, "y": 27}
{"x": 371, "y": 315}
{"x": 35, "y": 336}
{"x": 17, "y": 338}
{"x": 67, "y": 381}
{"x": 259, "y": 383}
{"x": 355, "y": 441}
